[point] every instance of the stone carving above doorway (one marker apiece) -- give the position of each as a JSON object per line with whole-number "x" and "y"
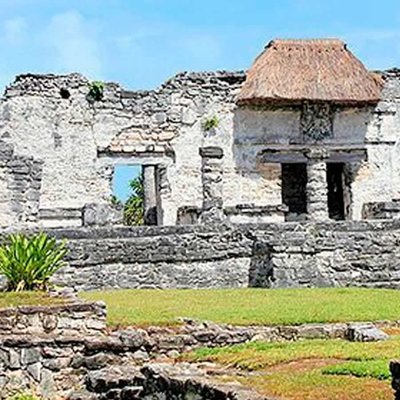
{"x": 316, "y": 121}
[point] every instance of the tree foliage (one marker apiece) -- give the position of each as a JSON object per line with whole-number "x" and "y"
{"x": 134, "y": 206}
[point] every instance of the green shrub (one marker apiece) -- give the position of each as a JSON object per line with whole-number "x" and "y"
{"x": 96, "y": 91}
{"x": 29, "y": 262}
{"x": 210, "y": 123}
{"x": 23, "y": 396}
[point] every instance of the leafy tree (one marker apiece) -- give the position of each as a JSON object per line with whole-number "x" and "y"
{"x": 134, "y": 206}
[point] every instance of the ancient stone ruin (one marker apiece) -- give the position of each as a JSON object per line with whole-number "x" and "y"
{"x": 287, "y": 175}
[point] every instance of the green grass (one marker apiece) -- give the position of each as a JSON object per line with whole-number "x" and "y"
{"x": 258, "y": 355}
{"x": 248, "y": 306}
{"x": 12, "y": 299}
{"x": 311, "y": 369}
{"x": 313, "y": 385}
{"x": 378, "y": 369}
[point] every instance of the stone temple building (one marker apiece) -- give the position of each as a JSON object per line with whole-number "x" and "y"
{"x": 307, "y": 133}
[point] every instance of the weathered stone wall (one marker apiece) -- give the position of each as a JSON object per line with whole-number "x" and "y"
{"x": 65, "y": 319}
{"x": 163, "y": 381}
{"x": 80, "y": 141}
{"x": 270, "y": 255}
{"x": 20, "y": 183}
{"x": 39, "y": 344}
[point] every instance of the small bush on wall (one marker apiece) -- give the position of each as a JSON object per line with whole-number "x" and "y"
{"x": 23, "y": 396}
{"x": 96, "y": 91}
{"x": 28, "y": 263}
{"x": 210, "y": 123}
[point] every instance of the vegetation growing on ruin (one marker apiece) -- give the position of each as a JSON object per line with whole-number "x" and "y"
{"x": 311, "y": 369}
{"x": 134, "y": 206}
{"x": 28, "y": 263}
{"x": 23, "y": 396}
{"x": 96, "y": 91}
{"x": 210, "y": 123}
{"x": 249, "y": 306}
{"x": 14, "y": 299}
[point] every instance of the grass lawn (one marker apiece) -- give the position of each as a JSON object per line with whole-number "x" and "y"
{"x": 248, "y": 306}
{"x": 12, "y": 299}
{"x": 311, "y": 369}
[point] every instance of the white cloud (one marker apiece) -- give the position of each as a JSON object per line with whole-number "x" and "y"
{"x": 74, "y": 43}
{"x": 14, "y": 30}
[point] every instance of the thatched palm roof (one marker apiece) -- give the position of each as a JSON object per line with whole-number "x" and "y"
{"x": 315, "y": 70}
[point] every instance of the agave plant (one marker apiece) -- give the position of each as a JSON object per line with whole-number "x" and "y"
{"x": 29, "y": 262}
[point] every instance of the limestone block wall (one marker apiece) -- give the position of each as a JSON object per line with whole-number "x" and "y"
{"x": 64, "y": 319}
{"x": 51, "y": 118}
{"x": 262, "y": 255}
{"x": 20, "y": 183}
{"x": 81, "y": 141}
{"x": 41, "y": 346}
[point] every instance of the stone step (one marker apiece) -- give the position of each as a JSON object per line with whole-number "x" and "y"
{"x": 114, "y": 379}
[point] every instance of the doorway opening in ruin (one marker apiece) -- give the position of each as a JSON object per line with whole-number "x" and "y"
{"x": 136, "y": 189}
{"x": 128, "y": 192}
{"x": 294, "y": 181}
{"x": 336, "y": 191}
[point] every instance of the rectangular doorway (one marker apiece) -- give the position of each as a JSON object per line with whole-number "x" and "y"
{"x": 294, "y": 181}
{"x": 336, "y": 191}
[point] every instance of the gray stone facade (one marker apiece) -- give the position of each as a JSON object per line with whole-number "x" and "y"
{"x": 163, "y": 129}
{"x": 220, "y": 256}
{"x": 20, "y": 183}
{"x": 317, "y": 188}
{"x": 60, "y": 148}
{"x": 212, "y": 175}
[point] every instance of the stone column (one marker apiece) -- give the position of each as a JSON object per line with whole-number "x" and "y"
{"x": 317, "y": 185}
{"x": 150, "y": 195}
{"x": 211, "y": 174}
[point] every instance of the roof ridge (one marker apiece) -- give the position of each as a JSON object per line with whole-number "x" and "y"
{"x": 324, "y": 42}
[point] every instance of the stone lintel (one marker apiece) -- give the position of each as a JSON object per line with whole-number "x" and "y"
{"x": 288, "y": 156}
{"x": 317, "y": 154}
{"x": 211, "y": 152}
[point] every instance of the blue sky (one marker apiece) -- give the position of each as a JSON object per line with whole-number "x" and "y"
{"x": 140, "y": 43}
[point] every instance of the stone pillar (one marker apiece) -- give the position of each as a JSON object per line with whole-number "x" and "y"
{"x": 150, "y": 195}
{"x": 211, "y": 174}
{"x": 317, "y": 185}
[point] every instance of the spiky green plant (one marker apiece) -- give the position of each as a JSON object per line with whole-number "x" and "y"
{"x": 29, "y": 262}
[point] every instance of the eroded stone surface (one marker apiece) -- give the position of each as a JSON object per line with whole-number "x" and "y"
{"x": 263, "y": 255}
{"x": 78, "y": 143}
{"x": 365, "y": 333}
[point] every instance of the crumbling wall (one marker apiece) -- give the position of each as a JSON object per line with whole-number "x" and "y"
{"x": 20, "y": 182}
{"x": 267, "y": 255}
{"x": 52, "y": 119}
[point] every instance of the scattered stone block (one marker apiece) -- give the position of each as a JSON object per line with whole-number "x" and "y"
{"x": 365, "y": 333}
{"x": 102, "y": 215}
